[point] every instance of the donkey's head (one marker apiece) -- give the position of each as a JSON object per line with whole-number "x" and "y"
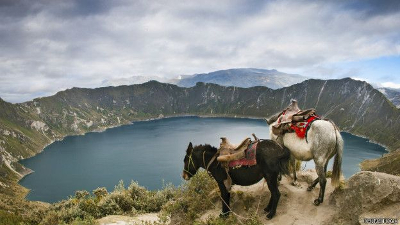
{"x": 190, "y": 168}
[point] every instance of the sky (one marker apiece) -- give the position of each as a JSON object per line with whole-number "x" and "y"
{"x": 50, "y": 45}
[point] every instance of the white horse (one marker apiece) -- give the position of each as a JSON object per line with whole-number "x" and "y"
{"x": 323, "y": 142}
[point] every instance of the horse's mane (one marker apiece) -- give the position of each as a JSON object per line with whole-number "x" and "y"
{"x": 205, "y": 147}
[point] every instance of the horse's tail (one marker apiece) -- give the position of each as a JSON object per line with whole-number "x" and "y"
{"x": 337, "y": 164}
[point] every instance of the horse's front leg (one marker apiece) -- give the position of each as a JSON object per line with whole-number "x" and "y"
{"x": 225, "y": 198}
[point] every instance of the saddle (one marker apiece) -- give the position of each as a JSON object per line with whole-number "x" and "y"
{"x": 229, "y": 153}
{"x": 292, "y": 119}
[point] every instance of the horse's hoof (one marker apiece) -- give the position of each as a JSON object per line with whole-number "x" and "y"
{"x": 317, "y": 202}
{"x": 270, "y": 215}
{"x": 310, "y": 188}
{"x": 224, "y": 214}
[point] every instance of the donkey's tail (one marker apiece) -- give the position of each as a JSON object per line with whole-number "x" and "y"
{"x": 337, "y": 164}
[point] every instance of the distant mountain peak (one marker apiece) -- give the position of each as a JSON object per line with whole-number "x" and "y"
{"x": 244, "y": 77}
{"x": 392, "y": 94}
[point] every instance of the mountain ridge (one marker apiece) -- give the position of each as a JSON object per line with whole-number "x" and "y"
{"x": 26, "y": 128}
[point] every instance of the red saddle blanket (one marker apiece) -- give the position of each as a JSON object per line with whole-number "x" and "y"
{"x": 301, "y": 128}
{"x": 249, "y": 159}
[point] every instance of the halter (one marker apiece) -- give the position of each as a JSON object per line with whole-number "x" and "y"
{"x": 188, "y": 166}
{"x": 204, "y": 162}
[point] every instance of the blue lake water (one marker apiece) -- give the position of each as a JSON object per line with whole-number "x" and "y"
{"x": 149, "y": 152}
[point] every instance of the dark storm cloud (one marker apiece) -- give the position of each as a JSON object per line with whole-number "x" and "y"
{"x": 49, "y": 45}
{"x": 373, "y": 7}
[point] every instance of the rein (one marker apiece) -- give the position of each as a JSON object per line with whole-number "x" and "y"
{"x": 212, "y": 159}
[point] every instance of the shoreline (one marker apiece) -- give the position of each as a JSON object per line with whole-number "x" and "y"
{"x": 160, "y": 117}
{"x": 369, "y": 140}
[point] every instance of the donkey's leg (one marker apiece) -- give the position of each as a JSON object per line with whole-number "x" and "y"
{"x": 322, "y": 182}
{"x": 226, "y": 196}
{"x": 272, "y": 182}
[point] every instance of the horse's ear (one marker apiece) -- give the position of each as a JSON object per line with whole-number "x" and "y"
{"x": 190, "y": 148}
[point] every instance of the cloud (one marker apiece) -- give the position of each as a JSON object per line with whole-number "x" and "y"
{"x": 391, "y": 85}
{"x": 359, "y": 78}
{"x": 50, "y": 46}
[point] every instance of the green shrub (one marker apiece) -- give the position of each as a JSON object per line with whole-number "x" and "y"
{"x": 107, "y": 206}
{"x": 123, "y": 200}
{"x": 150, "y": 201}
{"x": 120, "y": 186}
{"x": 193, "y": 198}
{"x": 89, "y": 206}
{"x": 81, "y": 194}
{"x": 86, "y": 221}
{"x": 51, "y": 218}
{"x": 10, "y": 218}
{"x": 100, "y": 193}
{"x": 137, "y": 192}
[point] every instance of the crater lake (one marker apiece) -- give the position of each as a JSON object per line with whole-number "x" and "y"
{"x": 149, "y": 152}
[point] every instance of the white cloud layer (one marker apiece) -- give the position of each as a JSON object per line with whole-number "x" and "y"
{"x": 391, "y": 85}
{"x": 47, "y": 46}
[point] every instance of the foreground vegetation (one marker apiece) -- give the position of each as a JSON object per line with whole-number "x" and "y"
{"x": 175, "y": 205}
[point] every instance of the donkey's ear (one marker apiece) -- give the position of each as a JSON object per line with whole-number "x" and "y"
{"x": 190, "y": 148}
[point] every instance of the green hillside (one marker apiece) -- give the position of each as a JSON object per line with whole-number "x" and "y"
{"x": 26, "y": 128}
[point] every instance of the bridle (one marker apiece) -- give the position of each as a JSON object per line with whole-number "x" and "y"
{"x": 188, "y": 165}
{"x": 204, "y": 162}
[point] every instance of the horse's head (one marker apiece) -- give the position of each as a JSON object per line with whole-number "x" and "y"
{"x": 190, "y": 168}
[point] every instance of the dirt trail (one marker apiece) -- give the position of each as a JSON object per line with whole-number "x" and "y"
{"x": 295, "y": 205}
{"x": 127, "y": 220}
{"x": 365, "y": 195}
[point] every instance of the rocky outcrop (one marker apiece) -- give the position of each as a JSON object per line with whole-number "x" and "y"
{"x": 39, "y": 126}
{"x": 367, "y": 195}
{"x": 389, "y": 163}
